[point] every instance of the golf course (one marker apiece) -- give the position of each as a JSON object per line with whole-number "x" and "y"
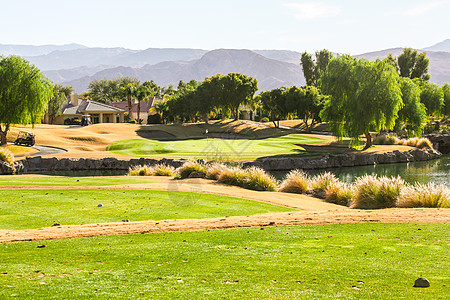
{"x": 162, "y": 237}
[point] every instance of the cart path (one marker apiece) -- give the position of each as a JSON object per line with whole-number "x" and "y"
{"x": 395, "y": 215}
{"x": 47, "y": 150}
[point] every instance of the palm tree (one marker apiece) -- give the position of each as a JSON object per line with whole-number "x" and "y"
{"x": 129, "y": 90}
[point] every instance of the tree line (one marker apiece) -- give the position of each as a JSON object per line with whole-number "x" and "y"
{"x": 353, "y": 95}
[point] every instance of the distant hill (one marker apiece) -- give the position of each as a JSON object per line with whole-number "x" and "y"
{"x": 26, "y": 50}
{"x": 442, "y": 46}
{"x": 270, "y": 73}
{"x": 439, "y": 62}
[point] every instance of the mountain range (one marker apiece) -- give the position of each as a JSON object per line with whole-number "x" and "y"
{"x": 78, "y": 65}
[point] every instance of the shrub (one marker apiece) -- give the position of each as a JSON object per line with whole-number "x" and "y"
{"x": 424, "y": 195}
{"x": 163, "y": 170}
{"x": 72, "y": 121}
{"x": 214, "y": 170}
{"x": 156, "y": 170}
{"x": 323, "y": 181}
{"x": 265, "y": 120}
{"x": 232, "y": 176}
{"x": 296, "y": 181}
{"x": 377, "y": 192}
{"x": 7, "y": 156}
{"x": 190, "y": 166}
{"x": 339, "y": 193}
{"x": 385, "y": 139}
{"x": 257, "y": 179}
{"x": 417, "y": 142}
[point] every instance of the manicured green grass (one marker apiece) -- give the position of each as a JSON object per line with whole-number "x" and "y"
{"x": 350, "y": 261}
{"x": 216, "y": 149}
{"x": 25, "y": 209}
{"x": 71, "y": 181}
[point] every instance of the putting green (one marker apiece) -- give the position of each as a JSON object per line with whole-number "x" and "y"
{"x": 215, "y": 148}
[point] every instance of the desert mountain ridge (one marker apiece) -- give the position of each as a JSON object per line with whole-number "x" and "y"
{"x": 78, "y": 65}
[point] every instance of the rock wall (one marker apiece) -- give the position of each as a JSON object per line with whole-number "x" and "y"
{"x": 36, "y": 164}
{"x": 344, "y": 160}
{"x": 441, "y": 142}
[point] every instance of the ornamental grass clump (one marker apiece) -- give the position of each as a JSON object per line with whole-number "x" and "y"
{"x": 163, "y": 170}
{"x": 140, "y": 171}
{"x": 6, "y": 156}
{"x": 376, "y": 192}
{"x": 424, "y": 195}
{"x": 323, "y": 181}
{"x": 296, "y": 181}
{"x": 232, "y": 176}
{"x": 417, "y": 142}
{"x": 156, "y": 170}
{"x": 339, "y": 193}
{"x": 214, "y": 170}
{"x": 386, "y": 139}
{"x": 257, "y": 179}
{"x": 191, "y": 166}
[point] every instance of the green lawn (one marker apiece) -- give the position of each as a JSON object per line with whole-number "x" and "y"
{"x": 71, "y": 181}
{"x": 349, "y": 261}
{"x": 25, "y": 209}
{"x": 216, "y": 149}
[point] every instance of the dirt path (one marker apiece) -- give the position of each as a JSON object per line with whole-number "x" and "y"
{"x": 422, "y": 215}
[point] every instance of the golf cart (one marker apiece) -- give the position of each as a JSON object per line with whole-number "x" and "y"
{"x": 86, "y": 120}
{"x": 25, "y": 138}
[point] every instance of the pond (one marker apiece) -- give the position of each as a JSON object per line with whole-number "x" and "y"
{"x": 436, "y": 171}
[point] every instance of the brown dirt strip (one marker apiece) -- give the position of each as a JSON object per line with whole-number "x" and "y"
{"x": 422, "y": 215}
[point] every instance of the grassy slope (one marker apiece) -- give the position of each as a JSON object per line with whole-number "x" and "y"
{"x": 216, "y": 149}
{"x": 26, "y": 209}
{"x": 350, "y": 261}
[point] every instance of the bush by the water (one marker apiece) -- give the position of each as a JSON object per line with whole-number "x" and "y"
{"x": 8, "y": 157}
{"x": 252, "y": 178}
{"x": 191, "y": 166}
{"x": 156, "y": 170}
{"x": 424, "y": 195}
{"x": 391, "y": 139}
{"x": 214, "y": 170}
{"x": 376, "y": 192}
{"x": 323, "y": 181}
{"x": 296, "y": 181}
{"x": 339, "y": 193}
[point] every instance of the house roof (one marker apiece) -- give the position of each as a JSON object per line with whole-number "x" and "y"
{"x": 88, "y": 106}
{"x": 144, "y": 107}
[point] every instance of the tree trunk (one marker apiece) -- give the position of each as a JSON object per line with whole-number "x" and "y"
{"x": 130, "y": 108}
{"x": 205, "y": 118}
{"x": 139, "y": 112}
{"x": 368, "y": 140}
{"x": 3, "y": 133}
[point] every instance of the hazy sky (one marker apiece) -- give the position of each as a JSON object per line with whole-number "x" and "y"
{"x": 346, "y": 26}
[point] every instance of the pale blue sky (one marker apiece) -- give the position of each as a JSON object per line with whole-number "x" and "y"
{"x": 347, "y": 26}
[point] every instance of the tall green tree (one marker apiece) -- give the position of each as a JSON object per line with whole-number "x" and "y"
{"x": 313, "y": 70}
{"x": 129, "y": 90}
{"x": 432, "y": 97}
{"x": 24, "y": 94}
{"x": 446, "y": 94}
{"x": 413, "y": 114}
{"x": 60, "y": 95}
{"x": 412, "y": 64}
{"x": 238, "y": 89}
{"x": 364, "y": 96}
{"x": 306, "y": 103}
{"x": 274, "y": 104}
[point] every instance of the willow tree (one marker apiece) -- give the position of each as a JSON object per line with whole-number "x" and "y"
{"x": 24, "y": 94}
{"x": 364, "y": 96}
{"x": 413, "y": 115}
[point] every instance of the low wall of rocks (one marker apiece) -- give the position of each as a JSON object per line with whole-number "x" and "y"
{"x": 36, "y": 164}
{"x": 344, "y": 160}
{"x": 441, "y": 142}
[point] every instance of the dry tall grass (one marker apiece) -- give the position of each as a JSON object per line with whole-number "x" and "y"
{"x": 191, "y": 166}
{"x": 339, "y": 193}
{"x": 214, "y": 170}
{"x": 156, "y": 170}
{"x": 296, "y": 181}
{"x": 424, "y": 195}
{"x": 323, "y": 181}
{"x": 252, "y": 178}
{"x": 8, "y": 157}
{"x": 376, "y": 192}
